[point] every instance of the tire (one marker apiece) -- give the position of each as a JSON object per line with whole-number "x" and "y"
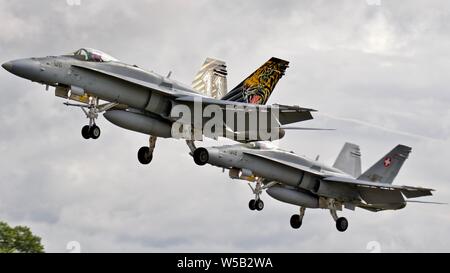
{"x": 201, "y": 156}
{"x": 94, "y": 132}
{"x": 252, "y": 204}
{"x": 341, "y": 224}
{"x": 85, "y": 132}
{"x": 295, "y": 221}
{"x": 259, "y": 205}
{"x": 144, "y": 155}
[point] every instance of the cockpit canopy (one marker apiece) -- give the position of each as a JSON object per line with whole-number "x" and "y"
{"x": 93, "y": 55}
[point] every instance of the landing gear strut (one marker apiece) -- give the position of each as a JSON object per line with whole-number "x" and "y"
{"x": 145, "y": 154}
{"x": 341, "y": 222}
{"x": 257, "y": 203}
{"x": 93, "y": 109}
{"x": 191, "y": 145}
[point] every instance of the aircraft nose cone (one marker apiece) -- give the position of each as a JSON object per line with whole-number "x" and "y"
{"x": 7, "y": 66}
{"x": 25, "y": 68}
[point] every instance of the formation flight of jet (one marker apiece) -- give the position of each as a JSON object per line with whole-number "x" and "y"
{"x": 144, "y": 101}
{"x": 307, "y": 183}
{"x": 149, "y": 103}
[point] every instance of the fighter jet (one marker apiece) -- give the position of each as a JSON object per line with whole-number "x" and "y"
{"x": 144, "y": 101}
{"x": 307, "y": 183}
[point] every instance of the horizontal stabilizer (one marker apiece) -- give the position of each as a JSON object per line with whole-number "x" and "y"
{"x": 381, "y": 196}
{"x": 413, "y": 192}
{"x": 373, "y": 188}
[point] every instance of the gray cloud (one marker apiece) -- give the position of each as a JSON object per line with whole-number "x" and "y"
{"x": 383, "y": 66}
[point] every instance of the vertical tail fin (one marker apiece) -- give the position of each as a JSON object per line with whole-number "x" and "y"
{"x": 387, "y": 168}
{"x": 258, "y": 87}
{"x": 211, "y": 80}
{"x": 349, "y": 160}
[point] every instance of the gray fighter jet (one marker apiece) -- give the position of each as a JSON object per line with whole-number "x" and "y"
{"x": 307, "y": 183}
{"x": 143, "y": 101}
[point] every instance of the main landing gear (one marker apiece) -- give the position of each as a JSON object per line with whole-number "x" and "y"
{"x": 341, "y": 222}
{"x": 296, "y": 219}
{"x": 93, "y": 109}
{"x": 201, "y": 156}
{"x": 145, "y": 154}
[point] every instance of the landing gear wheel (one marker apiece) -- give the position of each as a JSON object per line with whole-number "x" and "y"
{"x": 341, "y": 224}
{"x": 85, "y": 132}
{"x": 296, "y": 222}
{"x": 252, "y": 204}
{"x": 259, "y": 205}
{"x": 144, "y": 155}
{"x": 94, "y": 132}
{"x": 201, "y": 156}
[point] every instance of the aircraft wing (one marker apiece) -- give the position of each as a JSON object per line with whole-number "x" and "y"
{"x": 284, "y": 162}
{"x": 367, "y": 186}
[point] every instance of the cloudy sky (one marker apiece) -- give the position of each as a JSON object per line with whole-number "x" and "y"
{"x": 377, "y": 72}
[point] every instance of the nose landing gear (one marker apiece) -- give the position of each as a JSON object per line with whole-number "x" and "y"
{"x": 93, "y": 109}
{"x": 257, "y": 203}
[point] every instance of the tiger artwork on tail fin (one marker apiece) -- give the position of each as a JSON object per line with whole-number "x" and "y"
{"x": 258, "y": 87}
